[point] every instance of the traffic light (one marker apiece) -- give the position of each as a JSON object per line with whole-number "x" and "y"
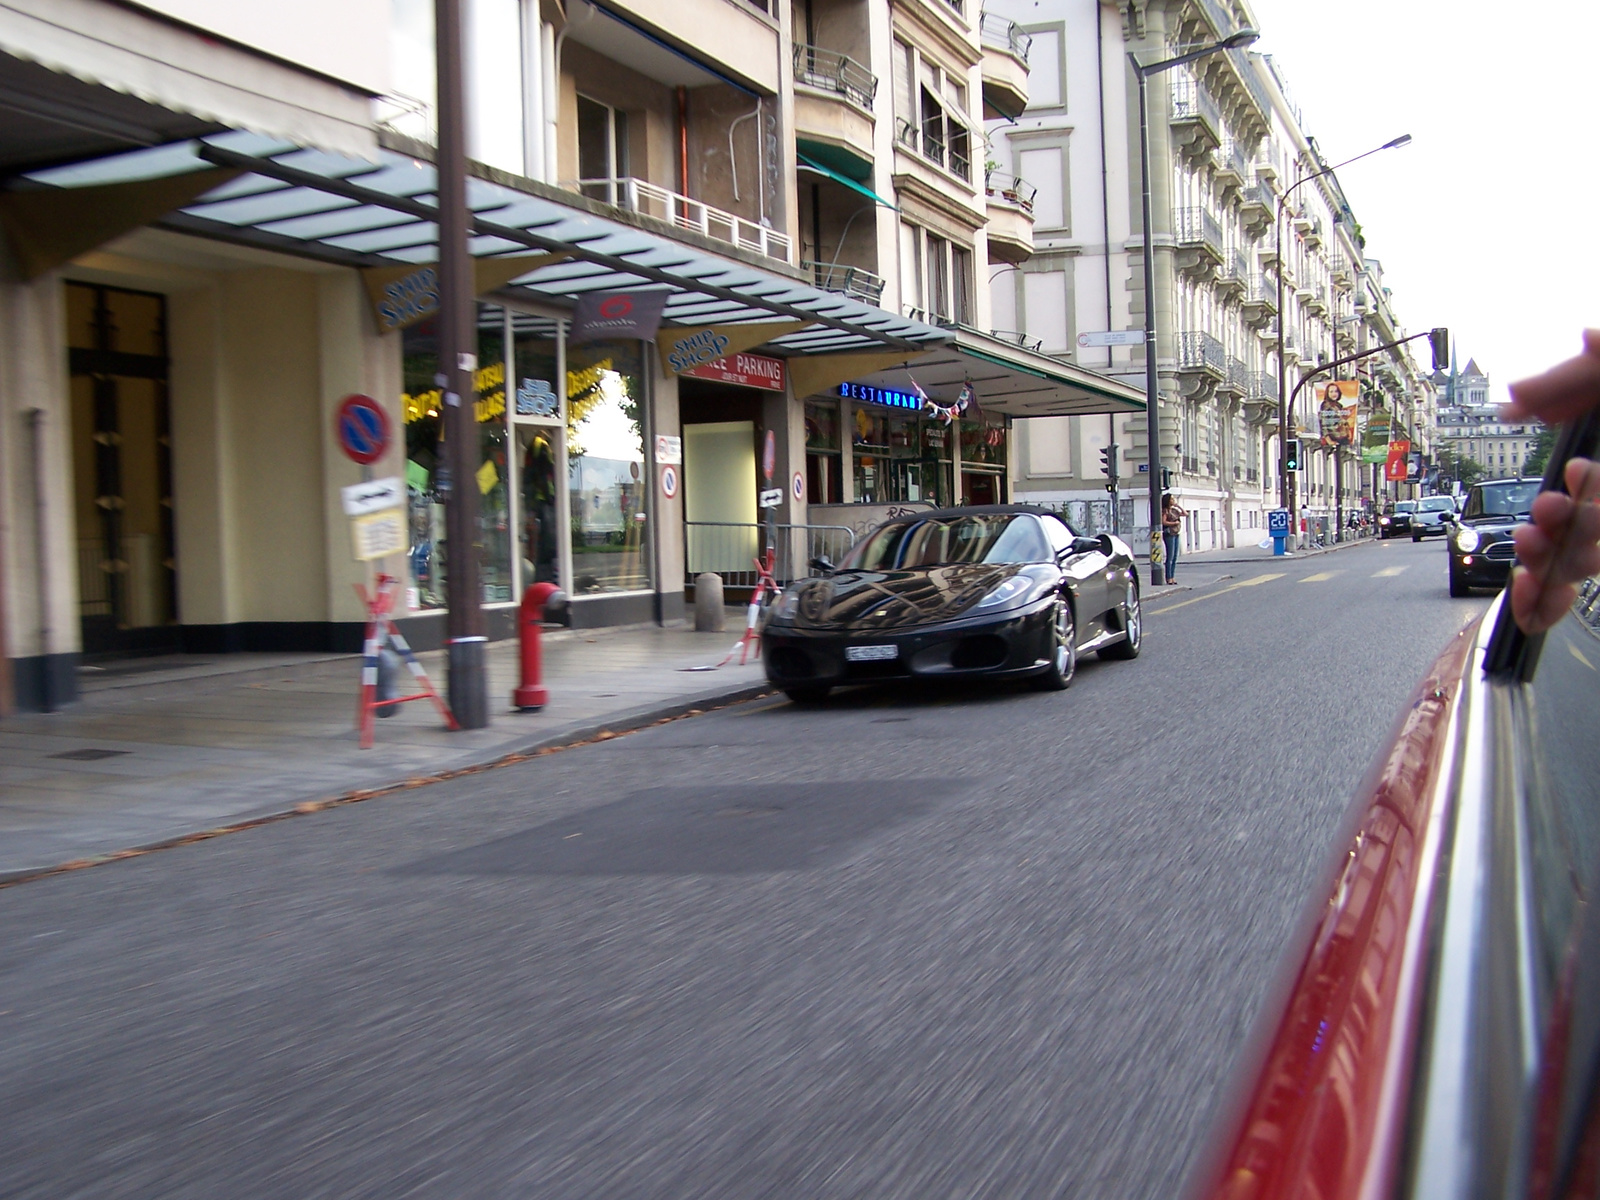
{"x": 1439, "y": 343}
{"x": 1291, "y": 454}
{"x": 1108, "y": 461}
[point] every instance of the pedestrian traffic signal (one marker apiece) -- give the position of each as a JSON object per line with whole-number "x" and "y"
{"x": 1439, "y": 343}
{"x": 1291, "y": 454}
{"x": 1108, "y": 461}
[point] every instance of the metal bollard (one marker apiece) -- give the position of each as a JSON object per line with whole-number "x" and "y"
{"x": 531, "y": 696}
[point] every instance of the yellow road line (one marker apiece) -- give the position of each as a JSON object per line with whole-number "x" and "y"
{"x": 1233, "y": 587}
{"x": 1321, "y": 576}
{"x": 1388, "y": 571}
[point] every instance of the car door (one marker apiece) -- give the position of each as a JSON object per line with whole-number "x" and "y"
{"x": 1086, "y": 571}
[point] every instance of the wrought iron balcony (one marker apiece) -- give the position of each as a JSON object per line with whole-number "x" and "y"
{"x": 847, "y": 280}
{"x": 1238, "y": 374}
{"x": 1191, "y": 102}
{"x": 1263, "y": 385}
{"x": 1016, "y": 339}
{"x": 1199, "y": 351}
{"x": 929, "y": 143}
{"x": 1004, "y": 34}
{"x": 1229, "y": 159}
{"x": 830, "y": 71}
{"x": 1198, "y": 227}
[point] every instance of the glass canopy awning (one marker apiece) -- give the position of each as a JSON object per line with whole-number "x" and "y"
{"x": 362, "y": 213}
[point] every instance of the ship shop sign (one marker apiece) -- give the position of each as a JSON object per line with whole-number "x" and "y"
{"x": 746, "y": 370}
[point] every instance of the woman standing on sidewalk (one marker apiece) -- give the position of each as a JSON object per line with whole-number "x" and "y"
{"x": 1171, "y": 528}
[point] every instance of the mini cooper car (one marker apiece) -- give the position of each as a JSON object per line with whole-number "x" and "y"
{"x": 1398, "y": 520}
{"x": 1481, "y": 551}
{"x": 994, "y": 591}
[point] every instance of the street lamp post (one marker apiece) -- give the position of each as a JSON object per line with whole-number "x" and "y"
{"x": 1152, "y": 381}
{"x": 1286, "y": 495}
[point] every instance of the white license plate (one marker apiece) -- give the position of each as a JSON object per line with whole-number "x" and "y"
{"x": 870, "y": 653}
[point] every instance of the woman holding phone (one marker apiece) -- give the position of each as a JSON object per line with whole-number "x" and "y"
{"x": 1171, "y": 530}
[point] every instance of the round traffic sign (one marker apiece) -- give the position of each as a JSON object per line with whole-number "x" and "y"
{"x": 362, "y": 428}
{"x": 798, "y": 486}
{"x": 669, "y": 481}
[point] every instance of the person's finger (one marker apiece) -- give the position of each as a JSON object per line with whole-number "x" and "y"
{"x": 1564, "y": 391}
{"x": 1583, "y": 479}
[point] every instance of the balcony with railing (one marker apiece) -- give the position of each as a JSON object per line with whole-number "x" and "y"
{"x": 1237, "y": 379}
{"x": 833, "y": 121}
{"x": 928, "y": 142}
{"x": 1257, "y": 207}
{"x": 1260, "y": 301}
{"x": 1013, "y": 338}
{"x": 1196, "y": 118}
{"x": 831, "y": 71}
{"x": 1233, "y": 277}
{"x": 650, "y": 200}
{"x": 1199, "y": 351}
{"x": 1005, "y": 66}
{"x": 1198, "y": 235}
{"x": 1010, "y": 210}
{"x": 857, "y": 282}
{"x": 1232, "y": 168}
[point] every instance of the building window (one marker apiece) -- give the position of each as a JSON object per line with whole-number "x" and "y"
{"x": 938, "y": 276}
{"x": 961, "y": 279}
{"x": 602, "y": 150}
{"x": 606, "y": 474}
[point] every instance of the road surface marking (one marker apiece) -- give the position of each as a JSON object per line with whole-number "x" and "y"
{"x": 1578, "y": 654}
{"x": 1388, "y": 571}
{"x": 1232, "y": 587}
{"x": 1321, "y": 576}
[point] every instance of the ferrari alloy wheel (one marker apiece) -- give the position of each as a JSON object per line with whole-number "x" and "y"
{"x": 1133, "y": 624}
{"x": 1064, "y": 653}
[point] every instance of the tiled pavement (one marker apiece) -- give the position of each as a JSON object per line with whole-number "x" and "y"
{"x": 192, "y": 744}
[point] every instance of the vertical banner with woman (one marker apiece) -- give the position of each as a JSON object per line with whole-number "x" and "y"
{"x": 1336, "y": 415}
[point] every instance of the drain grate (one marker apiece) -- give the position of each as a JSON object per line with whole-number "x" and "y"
{"x": 89, "y": 755}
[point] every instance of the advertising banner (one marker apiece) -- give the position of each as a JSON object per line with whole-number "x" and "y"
{"x": 684, "y": 350}
{"x": 1397, "y": 466}
{"x": 1375, "y": 439}
{"x": 1336, "y": 414}
{"x": 602, "y": 315}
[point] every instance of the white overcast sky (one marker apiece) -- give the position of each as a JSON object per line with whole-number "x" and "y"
{"x": 1489, "y": 222}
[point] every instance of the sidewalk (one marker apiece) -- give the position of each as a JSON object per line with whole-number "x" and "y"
{"x": 162, "y": 748}
{"x": 1252, "y": 553}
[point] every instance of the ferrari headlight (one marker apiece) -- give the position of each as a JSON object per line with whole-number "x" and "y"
{"x": 788, "y": 604}
{"x": 1008, "y": 592}
{"x": 1467, "y": 540}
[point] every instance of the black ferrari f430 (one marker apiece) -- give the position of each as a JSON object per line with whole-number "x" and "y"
{"x": 998, "y": 591}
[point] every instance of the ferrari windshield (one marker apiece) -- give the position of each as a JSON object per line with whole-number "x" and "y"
{"x": 934, "y": 542}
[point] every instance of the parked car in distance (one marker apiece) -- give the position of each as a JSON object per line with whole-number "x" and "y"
{"x": 1397, "y": 520}
{"x": 985, "y": 591}
{"x": 1481, "y": 550}
{"x": 1434, "y": 515}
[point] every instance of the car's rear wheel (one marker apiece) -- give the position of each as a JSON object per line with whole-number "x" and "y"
{"x": 1132, "y": 624}
{"x": 1063, "y": 651}
{"x": 807, "y": 695}
{"x": 1458, "y": 585}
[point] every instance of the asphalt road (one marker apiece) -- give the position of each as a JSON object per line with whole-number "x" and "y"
{"x": 902, "y": 945}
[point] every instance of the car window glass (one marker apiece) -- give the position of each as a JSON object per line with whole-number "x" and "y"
{"x": 1059, "y": 533}
{"x": 1512, "y": 499}
{"x": 1438, "y": 504}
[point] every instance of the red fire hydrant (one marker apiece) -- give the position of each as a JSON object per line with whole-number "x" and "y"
{"x": 532, "y": 696}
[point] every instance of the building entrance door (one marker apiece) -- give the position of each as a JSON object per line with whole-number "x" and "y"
{"x": 122, "y": 470}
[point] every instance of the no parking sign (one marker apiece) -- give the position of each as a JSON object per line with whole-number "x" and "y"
{"x": 669, "y": 481}
{"x": 362, "y": 428}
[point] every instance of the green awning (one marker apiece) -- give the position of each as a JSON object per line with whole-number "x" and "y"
{"x": 812, "y": 165}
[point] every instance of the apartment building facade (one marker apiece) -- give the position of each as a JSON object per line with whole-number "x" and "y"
{"x": 1236, "y": 214}
{"x": 1474, "y": 429}
{"x": 218, "y": 226}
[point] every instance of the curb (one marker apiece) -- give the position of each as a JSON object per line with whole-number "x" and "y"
{"x": 475, "y": 762}
{"x": 1293, "y": 555}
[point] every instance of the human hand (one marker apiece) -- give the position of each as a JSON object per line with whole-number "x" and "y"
{"x": 1562, "y": 545}
{"x": 1560, "y": 548}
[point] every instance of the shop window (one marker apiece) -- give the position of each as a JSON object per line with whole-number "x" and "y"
{"x": 824, "y": 484}
{"x": 422, "y": 403}
{"x": 607, "y": 480}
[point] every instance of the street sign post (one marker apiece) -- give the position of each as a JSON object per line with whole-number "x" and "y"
{"x": 362, "y": 428}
